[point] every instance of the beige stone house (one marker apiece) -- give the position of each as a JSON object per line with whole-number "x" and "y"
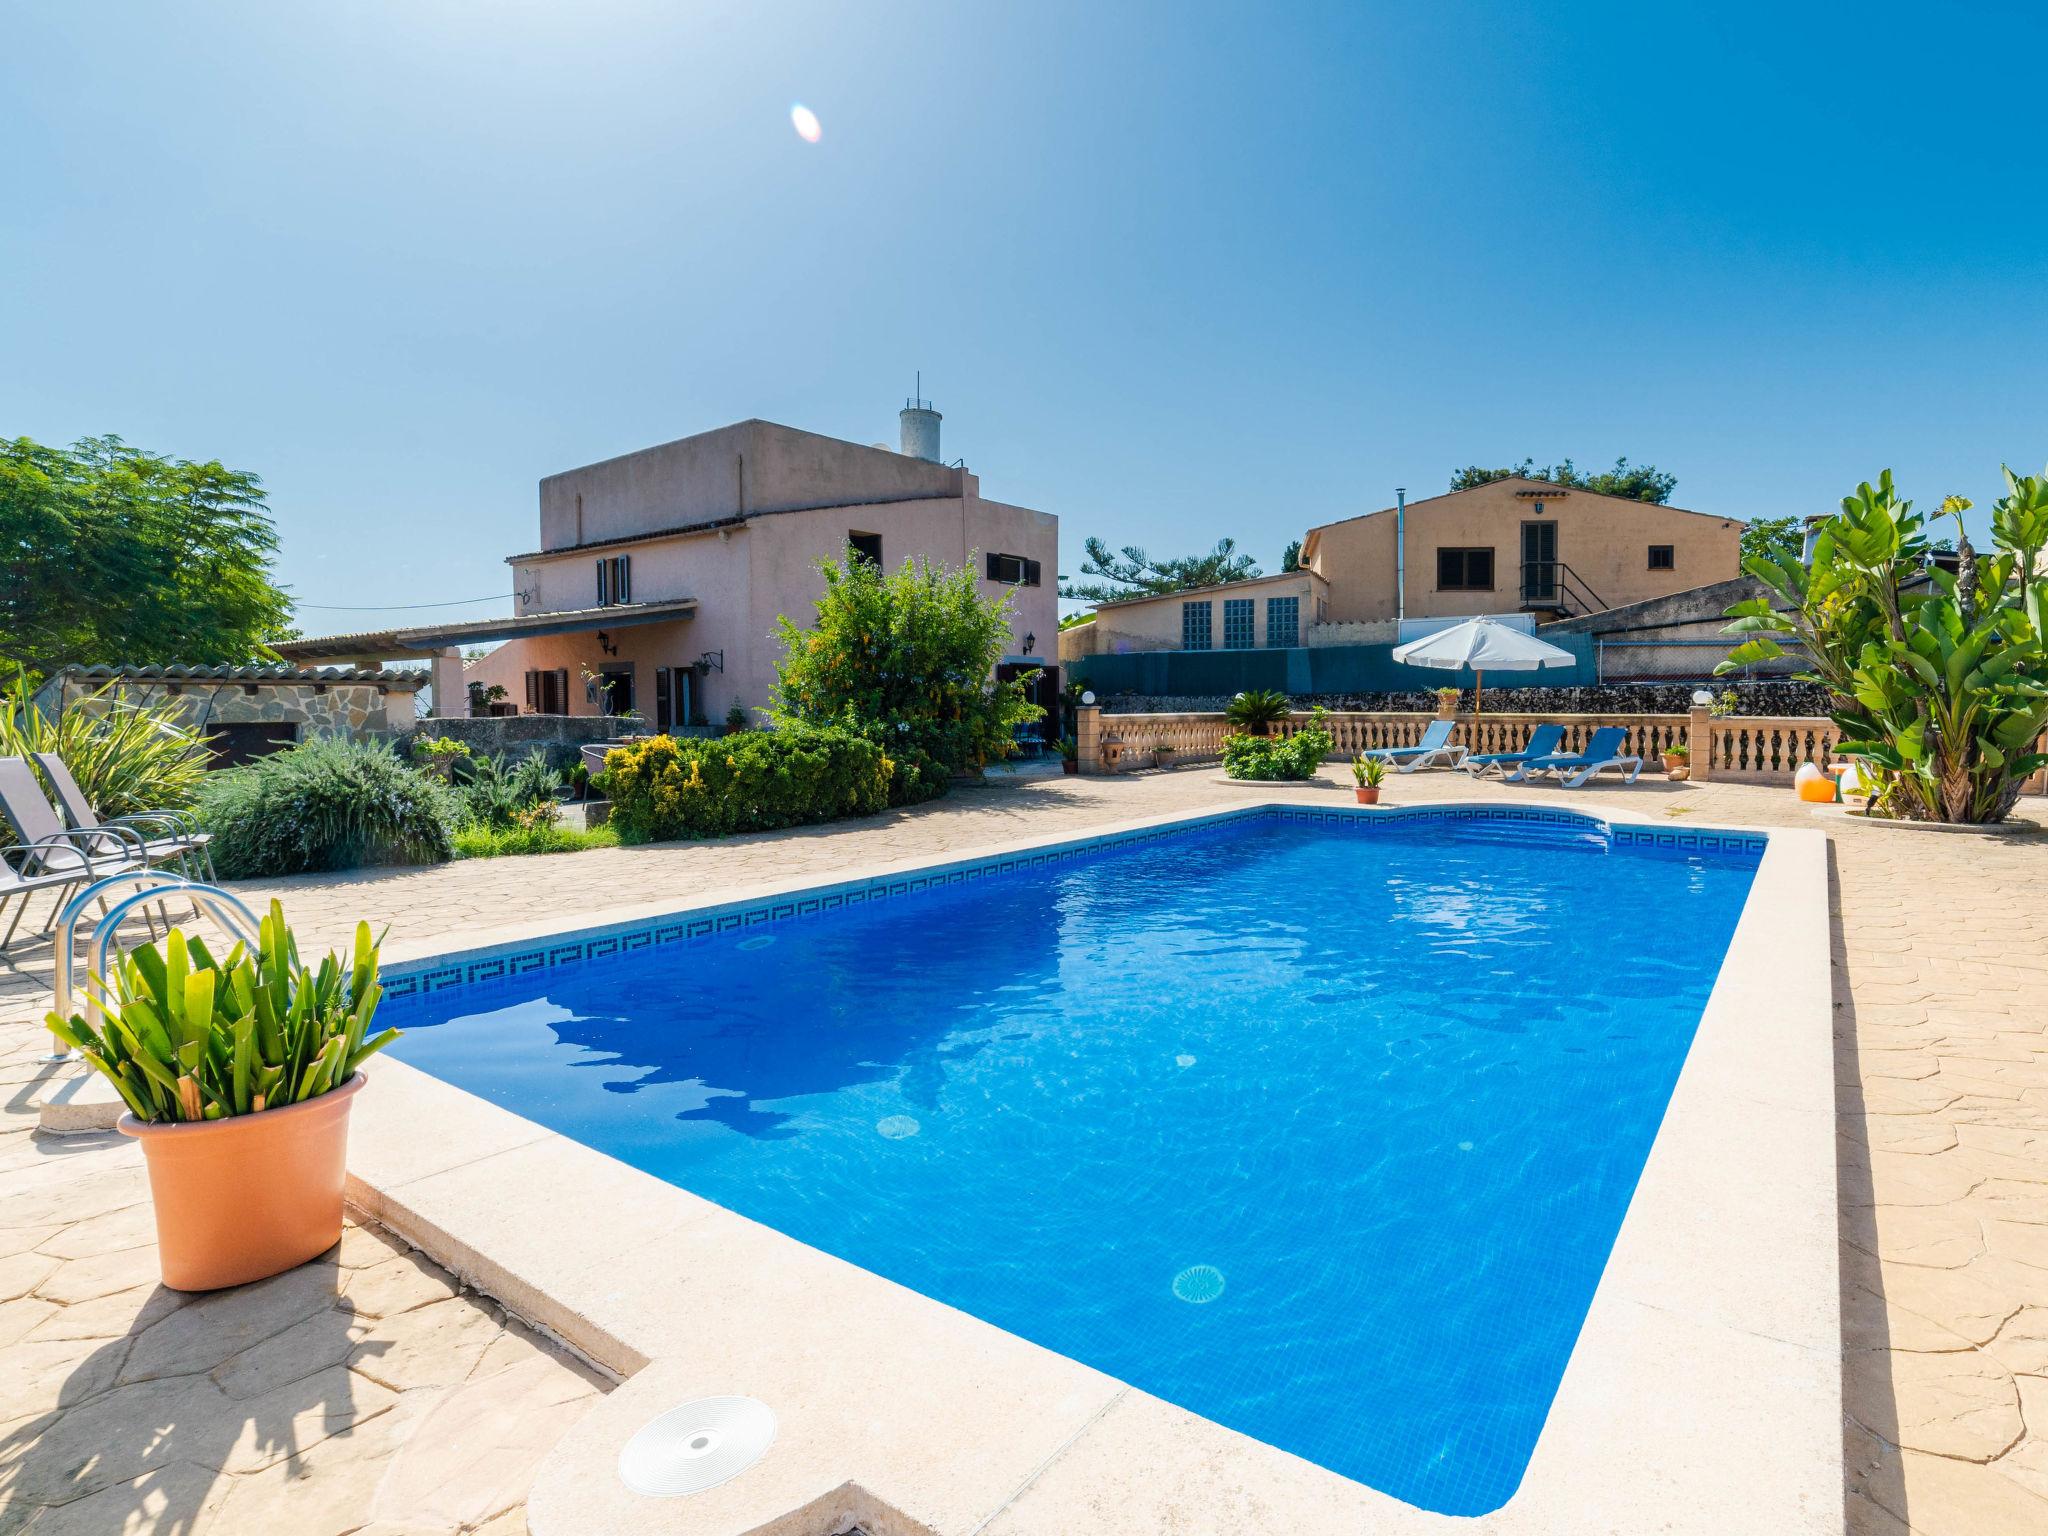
{"x": 1518, "y": 547}
{"x": 656, "y": 578}
{"x": 1267, "y": 612}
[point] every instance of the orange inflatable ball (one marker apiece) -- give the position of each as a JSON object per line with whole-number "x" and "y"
{"x": 1814, "y": 785}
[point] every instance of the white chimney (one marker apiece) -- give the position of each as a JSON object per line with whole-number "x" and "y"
{"x": 919, "y": 425}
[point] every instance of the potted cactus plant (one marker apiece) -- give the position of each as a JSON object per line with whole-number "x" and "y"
{"x": 238, "y": 1076}
{"x": 1370, "y": 772}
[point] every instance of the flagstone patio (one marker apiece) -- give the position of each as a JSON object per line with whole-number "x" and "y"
{"x": 365, "y": 1392}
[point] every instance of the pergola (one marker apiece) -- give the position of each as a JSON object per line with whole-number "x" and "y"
{"x": 441, "y": 644}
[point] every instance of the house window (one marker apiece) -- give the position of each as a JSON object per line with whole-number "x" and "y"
{"x": 1283, "y": 622}
{"x": 614, "y": 581}
{"x": 547, "y": 692}
{"x": 1013, "y": 570}
{"x": 1237, "y": 623}
{"x": 615, "y": 689}
{"x": 1194, "y": 626}
{"x": 1464, "y": 570}
{"x": 1663, "y": 558}
{"x": 865, "y": 546}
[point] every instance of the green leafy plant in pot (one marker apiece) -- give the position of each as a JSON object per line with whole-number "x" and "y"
{"x": 1256, "y": 710}
{"x": 238, "y": 1076}
{"x": 1370, "y": 773}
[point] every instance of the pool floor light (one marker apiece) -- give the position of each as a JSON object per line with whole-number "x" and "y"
{"x": 694, "y": 1448}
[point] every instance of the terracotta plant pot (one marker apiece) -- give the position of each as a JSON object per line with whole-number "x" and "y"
{"x": 250, "y": 1196}
{"x": 1368, "y": 794}
{"x": 1068, "y": 765}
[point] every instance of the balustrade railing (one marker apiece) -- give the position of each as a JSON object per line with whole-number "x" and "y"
{"x": 1752, "y": 749}
{"x": 1769, "y": 749}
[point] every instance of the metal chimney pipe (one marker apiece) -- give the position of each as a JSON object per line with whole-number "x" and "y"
{"x": 1400, "y": 559}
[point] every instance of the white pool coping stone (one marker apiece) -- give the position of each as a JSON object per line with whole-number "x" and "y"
{"x": 1703, "y": 1395}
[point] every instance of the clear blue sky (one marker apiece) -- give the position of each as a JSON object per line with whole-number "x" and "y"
{"x": 1171, "y": 271}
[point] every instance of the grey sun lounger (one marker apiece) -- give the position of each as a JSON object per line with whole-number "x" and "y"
{"x": 1542, "y": 743}
{"x": 49, "y": 855}
{"x": 1575, "y": 768}
{"x": 1435, "y": 746}
{"x": 168, "y": 837}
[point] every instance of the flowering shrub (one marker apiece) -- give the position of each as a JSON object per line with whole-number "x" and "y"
{"x": 710, "y": 787}
{"x": 907, "y": 660}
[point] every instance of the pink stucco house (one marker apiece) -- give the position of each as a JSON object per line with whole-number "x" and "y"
{"x": 656, "y": 578}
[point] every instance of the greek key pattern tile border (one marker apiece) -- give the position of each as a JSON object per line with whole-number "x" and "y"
{"x": 426, "y": 976}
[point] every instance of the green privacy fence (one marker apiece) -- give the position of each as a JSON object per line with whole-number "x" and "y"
{"x": 1303, "y": 669}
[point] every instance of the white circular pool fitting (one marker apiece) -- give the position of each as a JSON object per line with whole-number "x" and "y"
{"x": 897, "y": 1127}
{"x": 696, "y": 1447}
{"x": 1199, "y": 1284}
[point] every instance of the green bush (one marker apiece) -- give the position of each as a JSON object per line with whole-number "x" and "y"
{"x": 326, "y": 804}
{"x": 542, "y": 835}
{"x": 907, "y": 660}
{"x": 491, "y": 793}
{"x": 1278, "y": 757}
{"x": 701, "y": 787}
{"x": 126, "y": 757}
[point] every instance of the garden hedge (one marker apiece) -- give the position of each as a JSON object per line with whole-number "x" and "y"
{"x": 758, "y": 780}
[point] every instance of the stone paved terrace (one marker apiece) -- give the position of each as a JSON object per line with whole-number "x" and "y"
{"x": 363, "y": 1393}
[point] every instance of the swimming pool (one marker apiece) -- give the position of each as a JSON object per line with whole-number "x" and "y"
{"x": 1318, "y": 1125}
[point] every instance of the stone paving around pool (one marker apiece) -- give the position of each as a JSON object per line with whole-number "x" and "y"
{"x": 365, "y": 1392}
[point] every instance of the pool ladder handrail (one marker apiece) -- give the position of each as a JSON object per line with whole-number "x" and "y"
{"x": 153, "y": 885}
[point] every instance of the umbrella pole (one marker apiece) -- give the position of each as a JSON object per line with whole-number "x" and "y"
{"x": 1478, "y": 694}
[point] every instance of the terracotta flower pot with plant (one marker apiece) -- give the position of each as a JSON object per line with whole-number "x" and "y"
{"x": 1070, "y": 755}
{"x": 1370, "y": 772}
{"x": 1677, "y": 760}
{"x": 238, "y": 1075}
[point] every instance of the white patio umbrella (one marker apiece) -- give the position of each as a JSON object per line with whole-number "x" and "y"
{"x": 1485, "y": 645}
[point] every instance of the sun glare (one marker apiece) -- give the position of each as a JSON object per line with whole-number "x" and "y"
{"x": 806, "y": 123}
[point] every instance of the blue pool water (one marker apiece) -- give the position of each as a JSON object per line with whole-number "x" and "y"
{"x": 1322, "y": 1132}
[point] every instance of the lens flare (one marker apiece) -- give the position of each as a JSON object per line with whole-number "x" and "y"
{"x": 806, "y": 123}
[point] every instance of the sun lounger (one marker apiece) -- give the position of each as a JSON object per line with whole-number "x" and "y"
{"x": 1575, "y": 768}
{"x": 47, "y": 854}
{"x": 1542, "y": 743}
{"x": 1434, "y": 747}
{"x": 168, "y": 837}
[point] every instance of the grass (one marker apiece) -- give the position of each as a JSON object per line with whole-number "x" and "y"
{"x": 480, "y": 842}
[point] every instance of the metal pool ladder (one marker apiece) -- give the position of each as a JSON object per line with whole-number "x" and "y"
{"x": 150, "y": 886}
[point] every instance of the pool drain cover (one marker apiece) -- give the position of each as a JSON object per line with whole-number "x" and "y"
{"x": 696, "y": 1447}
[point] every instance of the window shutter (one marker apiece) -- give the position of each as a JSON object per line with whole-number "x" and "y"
{"x": 625, "y": 592}
{"x": 602, "y": 598}
{"x": 533, "y": 693}
{"x": 995, "y": 567}
{"x": 561, "y": 691}
{"x": 1030, "y": 573}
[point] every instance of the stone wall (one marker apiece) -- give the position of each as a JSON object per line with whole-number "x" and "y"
{"x": 560, "y": 738}
{"x": 342, "y": 708}
{"x": 1767, "y": 698}
{"x": 1364, "y": 632}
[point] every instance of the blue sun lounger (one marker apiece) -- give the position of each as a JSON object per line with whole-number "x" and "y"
{"x": 1575, "y": 768}
{"x": 1435, "y": 744}
{"x": 1542, "y": 743}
